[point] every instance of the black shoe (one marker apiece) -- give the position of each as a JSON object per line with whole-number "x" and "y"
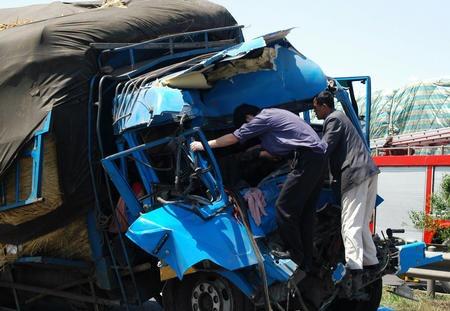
{"x": 297, "y": 276}
{"x": 373, "y": 268}
{"x": 357, "y": 285}
{"x": 306, "y": 268}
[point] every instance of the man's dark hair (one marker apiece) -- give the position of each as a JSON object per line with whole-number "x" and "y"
{"x": 325, "y": 97}
{"x": 241, "y": 111}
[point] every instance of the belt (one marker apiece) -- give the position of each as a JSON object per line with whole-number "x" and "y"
{"x": 294, "y": 155}
{"x": 296, "y": 152}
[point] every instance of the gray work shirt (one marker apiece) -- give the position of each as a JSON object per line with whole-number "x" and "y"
{"x": 280, "y": 132}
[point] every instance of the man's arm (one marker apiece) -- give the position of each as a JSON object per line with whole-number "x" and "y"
{"x": 332, "y": 134}
{"x": 223, "y": 141}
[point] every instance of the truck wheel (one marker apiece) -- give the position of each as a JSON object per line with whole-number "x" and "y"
{"x": 374, "y": 290}
{"x": 203, "y": 292}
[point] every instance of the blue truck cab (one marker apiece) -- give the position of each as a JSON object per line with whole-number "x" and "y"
{"x": 182, "y": 215}
{"x": 193, "y": 218}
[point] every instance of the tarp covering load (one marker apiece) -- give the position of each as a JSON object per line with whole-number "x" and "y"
{"x": 47, "y": 65}
{"x": 417, "y": 107}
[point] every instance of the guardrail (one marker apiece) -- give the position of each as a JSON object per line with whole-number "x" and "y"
{"x": 410, "y": 150}
{"x": 435, "y": 271}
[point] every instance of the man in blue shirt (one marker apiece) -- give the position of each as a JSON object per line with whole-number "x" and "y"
{"x": 284, "y": 134}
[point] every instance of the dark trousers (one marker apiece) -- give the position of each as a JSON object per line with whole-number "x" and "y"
{"x": 296, "y": 205}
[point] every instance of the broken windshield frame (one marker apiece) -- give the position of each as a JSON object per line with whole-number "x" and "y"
{"x": 203, "y": 194}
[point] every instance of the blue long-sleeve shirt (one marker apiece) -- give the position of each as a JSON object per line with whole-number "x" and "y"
{"x": 280, "y": 132}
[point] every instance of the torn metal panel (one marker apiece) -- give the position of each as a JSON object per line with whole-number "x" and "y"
{"x": 235, "y": 52}
{"x": 190, "y": 80}
{"x": 278, "y": 35}
{"x": 156, "y": 103}
{"x": 251, "y": 72}
{"x": 205, "y": 78}
{"x": 295, "y": 79}
{"x": 243, "y": 65}
{"x": 190, "y": 240}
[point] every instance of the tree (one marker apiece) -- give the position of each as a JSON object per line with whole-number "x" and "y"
{"x": 439, "y": 212}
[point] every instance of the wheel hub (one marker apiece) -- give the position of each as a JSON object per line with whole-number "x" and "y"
{"x": 211, "y": 296}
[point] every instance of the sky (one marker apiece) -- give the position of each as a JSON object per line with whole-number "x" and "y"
{"x": 395, "y": 42}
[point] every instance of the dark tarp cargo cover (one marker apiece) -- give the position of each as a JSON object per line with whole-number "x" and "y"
{"x": 47, "y": 65}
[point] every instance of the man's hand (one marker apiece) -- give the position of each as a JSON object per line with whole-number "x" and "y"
{"x": 222, "y": 141}
{"x": 266, "y": 155}
{"x": 197, "y": 146}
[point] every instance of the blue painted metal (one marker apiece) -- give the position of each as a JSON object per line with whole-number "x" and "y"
{"x": 102, "y": 263}
{"x": 343, "y": 98}
{"x": 294, "y": 78}
{"x": 234, "y": 52}
{"x": 278, "y": 269}
{"x": 147, "y": 173}
{"x": 123, "y": 166}
{"x": 152, "y": 104}
{"x": 56, "y": 261}
{"x": 133, "y": 206}
{"x": 102, "y": 272}
{"x": 413, "y": 255}
{"x": 122, "y": 56}
{"x": 213, "y": 184}
{"x": 17, "y": 180}
{"x": 367, "y": 81}
{"x": 147, "y": 104}
{"x": 191, "y": 239}
{"x": 368, "y": 107}
{"x": 306, "y": 116}
{"x": 212, "y": 179}
{"x": 338, "y": 273}
{"x": 2, "y": 191}
{"x": 217, "y": 176}
{"x": 96, "y": 238}
{"x": 131, "y": 51}
{"x": 37, "y": 155}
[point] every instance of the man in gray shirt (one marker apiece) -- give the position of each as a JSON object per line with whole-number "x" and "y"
{"x": 284, "y": 134}
{"x": 353, "y": 167}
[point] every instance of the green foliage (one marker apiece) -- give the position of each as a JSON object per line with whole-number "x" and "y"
{"x": 423, "y": 303}
{"x": 439, "y": 210}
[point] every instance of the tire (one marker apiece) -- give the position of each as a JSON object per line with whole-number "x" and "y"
{"x": 203, "y": 292}
{"x": 375, "y": 290}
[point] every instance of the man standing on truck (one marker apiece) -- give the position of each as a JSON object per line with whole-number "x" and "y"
{"x": 284, "y": 134}
{"x": 356, "y": 173}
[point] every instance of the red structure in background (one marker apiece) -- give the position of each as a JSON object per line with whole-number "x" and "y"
{"x": 429, "y": 161}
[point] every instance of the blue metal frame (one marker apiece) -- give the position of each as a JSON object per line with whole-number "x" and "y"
{"x": 120, "y": 180}
{"x": 368, "y": 84}
{"x": 130, "y": 50}
{"x": 102, "y": 271}
{"x": 37, "y": 154}
{"x": 413, "y": 255}
{"x": 343, "y": 98}
{"x": 56, "y": 261}
{"x": 148, "y": 175}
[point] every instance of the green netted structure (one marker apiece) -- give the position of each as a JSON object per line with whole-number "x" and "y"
{"x": 416, "y": 107}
